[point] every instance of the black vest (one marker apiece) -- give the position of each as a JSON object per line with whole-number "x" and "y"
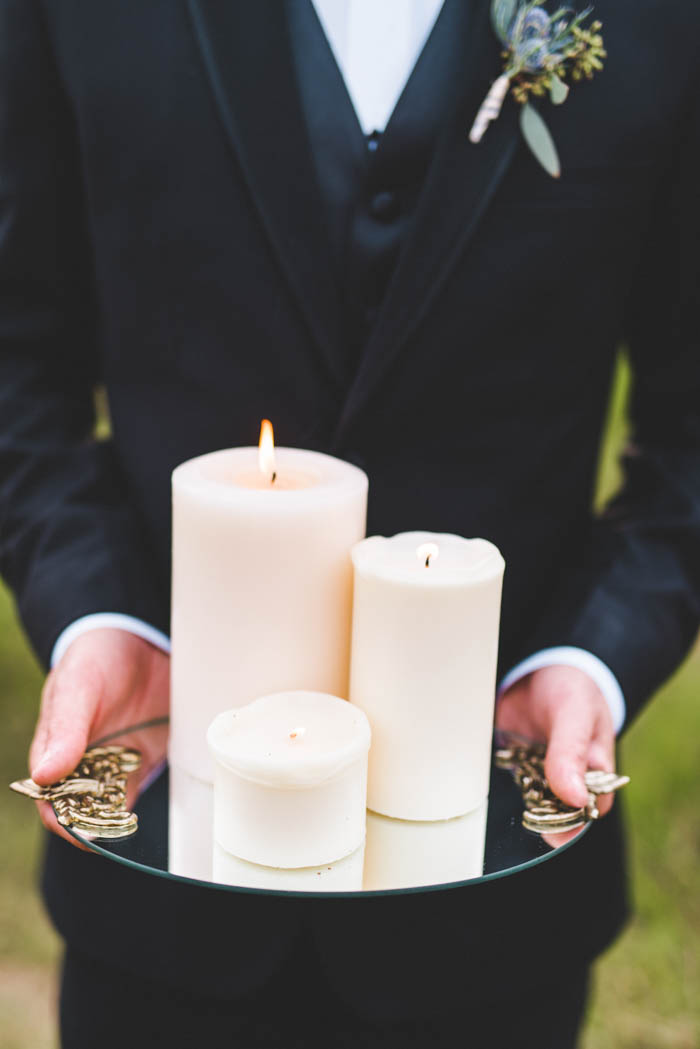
{"x": 369, "y": 186}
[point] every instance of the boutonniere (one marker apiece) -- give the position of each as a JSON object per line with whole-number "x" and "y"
{"x": 541, "y": 51}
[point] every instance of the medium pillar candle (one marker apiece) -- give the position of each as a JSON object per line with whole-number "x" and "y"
{"x": 424, "y": 650}
{"x": 262, "y": 584}
{"x": 290, "y": 784}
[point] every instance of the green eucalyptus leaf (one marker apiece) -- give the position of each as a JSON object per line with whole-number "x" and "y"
{"x": 558, "y": 90}
{"x": 502, "y": 15}
{"x": 538, "y": 138}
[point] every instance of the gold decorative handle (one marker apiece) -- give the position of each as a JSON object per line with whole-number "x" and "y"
{"x": 92, "y": 800}
{"x": 545, "y": 813}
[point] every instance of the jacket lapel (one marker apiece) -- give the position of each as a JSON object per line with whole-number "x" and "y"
{"x": 248, "y": 60}
{"x": 460, "y": 184}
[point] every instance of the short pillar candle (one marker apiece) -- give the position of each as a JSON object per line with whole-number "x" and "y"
{"x": 424, "y": 651}
{"x": 290, "y": 779}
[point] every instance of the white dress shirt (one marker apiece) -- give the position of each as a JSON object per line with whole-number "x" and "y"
{"x": 376, "y": 44}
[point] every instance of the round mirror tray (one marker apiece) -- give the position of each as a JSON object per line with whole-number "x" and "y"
{"x": 174, "y": 838}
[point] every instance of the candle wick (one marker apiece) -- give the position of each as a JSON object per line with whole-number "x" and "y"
{"x": 274, "y": 477}
{"x": 426, "y": 552}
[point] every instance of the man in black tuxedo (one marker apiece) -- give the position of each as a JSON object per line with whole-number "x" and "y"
{"x": 191, "y": 214}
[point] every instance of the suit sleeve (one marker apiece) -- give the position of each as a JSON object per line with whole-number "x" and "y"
{"x": 634, "y": 601}
{"x": 70, "y": 543}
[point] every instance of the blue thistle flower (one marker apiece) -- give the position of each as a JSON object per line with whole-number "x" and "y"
{"x": 530, "y": 38}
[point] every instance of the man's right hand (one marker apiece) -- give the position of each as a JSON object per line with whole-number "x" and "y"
{"x": 106, "y": 680}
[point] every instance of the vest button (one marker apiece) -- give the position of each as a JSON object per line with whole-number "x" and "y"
{"x": 384, "y": 206}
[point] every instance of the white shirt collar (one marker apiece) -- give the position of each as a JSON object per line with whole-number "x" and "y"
{"x": 376, "y": 44}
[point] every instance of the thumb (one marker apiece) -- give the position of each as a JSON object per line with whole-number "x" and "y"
{"x": 69, "y": 702}
{"x": 567, "y": 752}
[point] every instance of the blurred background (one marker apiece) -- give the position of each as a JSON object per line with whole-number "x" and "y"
{"x": 647, "y": 993}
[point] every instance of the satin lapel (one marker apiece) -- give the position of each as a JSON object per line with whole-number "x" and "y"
{"x": 248, "y": 60}
{"x": 460, "y": 184}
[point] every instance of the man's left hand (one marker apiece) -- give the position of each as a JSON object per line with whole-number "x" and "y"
{"x": 563, "y": 707}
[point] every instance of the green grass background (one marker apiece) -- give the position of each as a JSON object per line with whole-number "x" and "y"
{"x": 647, "y": 986}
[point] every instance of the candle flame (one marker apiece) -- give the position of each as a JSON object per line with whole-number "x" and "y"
{"x": 266, "y": 450}
{"x": 428, "y": 552}
{"x": 297, "y": 733}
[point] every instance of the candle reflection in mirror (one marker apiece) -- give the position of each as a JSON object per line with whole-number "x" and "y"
{"x": 402, "y": 854}
{"x": 339, "y": 876}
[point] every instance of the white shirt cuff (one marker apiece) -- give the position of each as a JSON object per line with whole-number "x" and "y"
{"x": 568, "y": 656}
{"x": 112, "y": 621}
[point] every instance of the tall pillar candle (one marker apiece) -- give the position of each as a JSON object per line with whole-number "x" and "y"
{"x": 262, "y": 584}
{"x": 425, "y": 642}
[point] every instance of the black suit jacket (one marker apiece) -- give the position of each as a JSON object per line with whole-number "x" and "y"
{"x": 161, "y": 231}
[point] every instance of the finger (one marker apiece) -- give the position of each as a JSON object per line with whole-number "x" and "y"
{"x": 562, "y": 838}
{"x": 66, "y": 718}
{"x": 566, "y": 760}
{"x": 514, "y": 712}
{"x": 48, "y": 818}
{"x": 601, "y": 756}
{"x": 604, "y": 802}
{"x": 38, "y": 744}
